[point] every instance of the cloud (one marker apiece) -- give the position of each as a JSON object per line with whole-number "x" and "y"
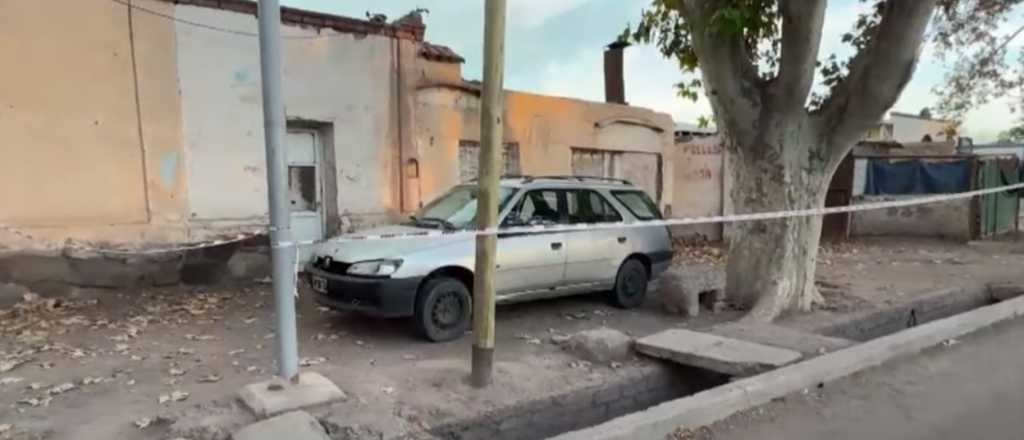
{"x": 554, "y": 47}
{"x": 533, "y": 13}
{"x": 650, "y": 81}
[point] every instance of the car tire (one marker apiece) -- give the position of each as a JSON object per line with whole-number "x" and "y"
{"x": 444, "y": 309}
{"x": 630, "y": 289}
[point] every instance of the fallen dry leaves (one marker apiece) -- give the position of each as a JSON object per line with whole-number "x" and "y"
{"x": 697, "y": 250}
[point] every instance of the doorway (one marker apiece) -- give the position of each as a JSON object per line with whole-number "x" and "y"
{"x": 305, "y": 188}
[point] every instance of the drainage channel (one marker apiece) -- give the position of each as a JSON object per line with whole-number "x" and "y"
{"x": 656, "y": 382}
{"x": 924, "y": 308}
{"x": 640, "y": 388}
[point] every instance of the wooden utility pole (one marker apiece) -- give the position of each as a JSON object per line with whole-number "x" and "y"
{"x": 491, "y": 113}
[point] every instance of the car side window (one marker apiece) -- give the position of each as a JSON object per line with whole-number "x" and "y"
{"x": 587, "y": 206}
{"x": 537, "y": 207}
{"x": 639, "y": 204}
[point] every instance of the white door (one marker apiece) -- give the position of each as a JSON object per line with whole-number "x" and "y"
{"x": 304, "y": 189}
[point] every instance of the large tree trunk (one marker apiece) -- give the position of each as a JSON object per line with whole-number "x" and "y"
{"x": 772, "y": 262}
{"x": 782, "y": 156}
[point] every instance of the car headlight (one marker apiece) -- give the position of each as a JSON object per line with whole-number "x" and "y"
{"x": 377, "y": 268}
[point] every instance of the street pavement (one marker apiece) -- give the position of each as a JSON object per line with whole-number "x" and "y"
{"x": 967, "y": 389}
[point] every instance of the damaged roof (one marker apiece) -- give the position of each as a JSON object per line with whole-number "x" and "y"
{"x": 437, "y": 52}
{"x": 405, "y": 28}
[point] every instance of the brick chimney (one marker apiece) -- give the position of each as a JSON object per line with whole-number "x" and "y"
{"x": 614, "y": 81}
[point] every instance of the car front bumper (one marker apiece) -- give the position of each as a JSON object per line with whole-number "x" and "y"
{"x": 383, "y": 297}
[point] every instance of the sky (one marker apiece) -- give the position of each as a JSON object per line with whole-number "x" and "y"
{"x": 555, "y": 47}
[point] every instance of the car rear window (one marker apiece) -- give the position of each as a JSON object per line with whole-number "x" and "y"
{"x": 638, "y": 203}
{"x": 587, "y": 206}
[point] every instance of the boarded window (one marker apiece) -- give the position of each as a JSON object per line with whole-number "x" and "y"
{"x": 642, "y": 169}
{"x": 469, "y": 160}
{"x": 302, "y": 188}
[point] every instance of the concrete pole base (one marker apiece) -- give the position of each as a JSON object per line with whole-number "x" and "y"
{"x": 277, "y": 396}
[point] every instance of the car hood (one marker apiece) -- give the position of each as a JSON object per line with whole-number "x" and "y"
{"x": 363, "y": 250}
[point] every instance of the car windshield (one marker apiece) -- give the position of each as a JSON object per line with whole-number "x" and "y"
{"x": 456, "y": 209}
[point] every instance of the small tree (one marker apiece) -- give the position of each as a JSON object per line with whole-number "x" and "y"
{"x": 756, "y": 60}
{"x": 1015, "y": 135}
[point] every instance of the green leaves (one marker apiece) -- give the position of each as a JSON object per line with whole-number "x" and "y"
{"x": 730, "y": 20}
{"x": 754, "y": 22}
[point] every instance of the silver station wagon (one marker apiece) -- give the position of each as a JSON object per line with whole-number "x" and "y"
{"x": 431, "y": 278}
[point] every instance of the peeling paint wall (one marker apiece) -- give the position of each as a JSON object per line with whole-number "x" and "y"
{"x": 88, "y": 107}
{"x": 910, "y": 128}
{"x": 150, "y": 131}
{"x": 340, "y": 79}
{"x": 698, "y": 182}
{"x": 951, "y": 220}
{"x": 546, "y": 129}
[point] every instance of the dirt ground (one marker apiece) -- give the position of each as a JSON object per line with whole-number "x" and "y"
{"x": 102, "y": 363}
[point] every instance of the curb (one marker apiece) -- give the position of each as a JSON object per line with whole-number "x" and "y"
{"x": 718, "y": 403}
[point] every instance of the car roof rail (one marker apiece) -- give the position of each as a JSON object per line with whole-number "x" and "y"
{"x": 505, "y": 176}
{"x": 528, "y": 179}
{"x": 580, "y": 179}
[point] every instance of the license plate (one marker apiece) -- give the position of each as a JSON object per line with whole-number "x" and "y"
{"x": 319, "y": 284}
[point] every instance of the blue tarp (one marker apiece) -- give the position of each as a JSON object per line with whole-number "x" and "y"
{"x": 917, "y": 177}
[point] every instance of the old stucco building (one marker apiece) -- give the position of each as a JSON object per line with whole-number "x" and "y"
{"x": 132, "y": 127}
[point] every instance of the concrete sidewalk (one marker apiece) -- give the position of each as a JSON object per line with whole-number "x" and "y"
{"x": 972, "y": 389}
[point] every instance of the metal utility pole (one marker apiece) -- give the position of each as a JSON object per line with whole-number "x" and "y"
{"x": 492, "y": 107}
{"x": 282, "y": 246}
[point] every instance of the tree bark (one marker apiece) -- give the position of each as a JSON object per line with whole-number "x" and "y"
{"x": 772, "y": 263}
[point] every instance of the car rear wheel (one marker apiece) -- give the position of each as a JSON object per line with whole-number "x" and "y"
{"x": 630, "y": 289}
{"x": 444, "y": 309}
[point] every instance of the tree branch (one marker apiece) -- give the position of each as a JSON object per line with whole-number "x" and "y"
{"x": 878, "y": 74}
{"x": 730, "y": 78}
{"x": 802, "y": 23}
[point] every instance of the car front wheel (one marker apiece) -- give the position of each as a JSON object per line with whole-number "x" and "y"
{"x": 444, "y": 309}
{"x": 630, "y": 289}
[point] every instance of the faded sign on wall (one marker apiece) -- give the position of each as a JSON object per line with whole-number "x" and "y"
{"x": 698, "y": 184}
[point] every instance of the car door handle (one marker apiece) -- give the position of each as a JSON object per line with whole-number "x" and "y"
{"x": 622, "y": 239}
{"x": 556, "y": 246}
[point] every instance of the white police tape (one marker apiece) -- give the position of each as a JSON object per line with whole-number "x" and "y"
{"x": 731, "y": 218}
{"x": 466, "y": 233}
{"x": 81, "y": 247}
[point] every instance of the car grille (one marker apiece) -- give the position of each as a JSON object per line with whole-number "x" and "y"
{"x": 329, "y": 265}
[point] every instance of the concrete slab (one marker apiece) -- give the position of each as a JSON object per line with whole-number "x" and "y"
{"x": 274, "y": 396}
{"x": 716, "y": 353}
{"x": 809, "y": 344}
{"x": 296, "y": 425}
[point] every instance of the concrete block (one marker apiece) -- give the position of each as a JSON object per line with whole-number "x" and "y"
{"x": 249, "y": 265}
{"x": 296, "y": 425}
{"x": 724, "y": 355}
{"x": 274, "y": 396}
{"x": 680, "y": 288}
{"x": 783, "y": 337}
{"x": 600, "y": 345}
